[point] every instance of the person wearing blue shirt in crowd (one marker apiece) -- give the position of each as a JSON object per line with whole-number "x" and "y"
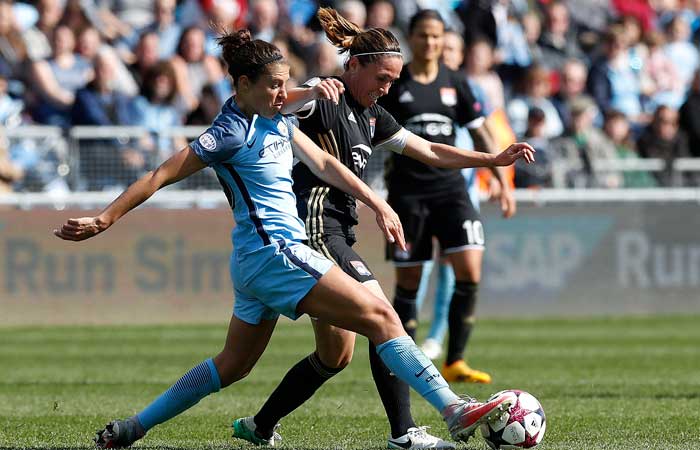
{"x": 273, "y": 271}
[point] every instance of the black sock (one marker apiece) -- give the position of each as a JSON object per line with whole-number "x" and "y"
{"x": 297, "y": 386}
{"x": 405, "y": 306}
{"x": 394, "y": 393}
{"x": 460, "y": 319}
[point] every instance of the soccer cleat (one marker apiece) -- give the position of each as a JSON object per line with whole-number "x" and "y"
{"x": 464, "y": 417}
{"x": 431, "y": 348}
{"x": 418, "y": 438}
{"x": 119, "y": 434}
{"x": 244, "y": 428}
{"x": 460, "y": 372}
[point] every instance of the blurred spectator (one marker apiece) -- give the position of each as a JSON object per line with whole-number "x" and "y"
{"x": 682, "y": 53}
{"x": 618, "y": 130}
{"x": 479, "y": 21}
{"x": 135, "y": 14}
{"x": 527, "y": 175}
{"x": 146, "y": 56}
{"x": 512, "y": 48}
{"x": 662, "y": 139}
{"x": 572, "y": 86}
{"x": 381, "y": 14}
{"x": 558, "y": 41}
{"x": 532, "y": 27}
{"x": 354, "y": 11}
{"x": 479, "y": 59}
{"x": 194, "y": 68}
{"x": 221, "y": 15}
{"x": 264, "y": 19}
{"x": 641, "y": 9}
{"x": 590, "y": 18}
{"x": 90, "y": 44}
{"x": 13, "y": 52}
{"x": 75, "y": 17}
{"x": 535, "y": 93}
{"x": 208, "y": 108}
{"x": 10, "y": 108}
{"x": 58, "y": 78}
{"x": 297, "y": 67}
{"x": 9, "y": 172}
{"x": 106, "y": 163}
{"x": 660, "y": 79}
{"x": 590, "y": 146}
{"x": 159, "y": 108}
{"x": 164, "y": 25}
{"x": 690, "y": 116}
{"x": 612, "y": 82}
{"x": 38, "y": 38}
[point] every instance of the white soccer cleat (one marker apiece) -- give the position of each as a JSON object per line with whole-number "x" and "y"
{"x": 418, "y": 438}
{"x": 431, "y": 348}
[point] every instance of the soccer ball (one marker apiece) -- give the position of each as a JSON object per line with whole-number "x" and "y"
{"x": 522, "y": 426}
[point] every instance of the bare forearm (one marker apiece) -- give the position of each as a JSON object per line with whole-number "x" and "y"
{"x": 449, "y": 157}
{"x": 140, "y": 191}
{"x": 296, "y": 98}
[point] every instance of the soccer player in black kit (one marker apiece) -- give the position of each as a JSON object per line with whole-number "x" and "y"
{"x": 430, "y": 100}
{"x": 351, "y": 130}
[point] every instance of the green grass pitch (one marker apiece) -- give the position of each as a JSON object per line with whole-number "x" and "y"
{"x": 624, "y": 383}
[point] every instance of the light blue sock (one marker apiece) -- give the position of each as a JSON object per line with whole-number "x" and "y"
{"x": 407, "y": 362}
{"x": 423, "y": 286}
{"x": 443, "y": 296}
{"x": 196, "y": 384}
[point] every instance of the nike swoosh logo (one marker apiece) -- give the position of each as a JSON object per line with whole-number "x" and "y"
{"x": 250, "y": 144}
{"x": 407, "y": 444}
{"x": 417, "y": 374}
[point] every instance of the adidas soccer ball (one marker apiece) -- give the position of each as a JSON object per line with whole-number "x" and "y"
{"x": 522, "y": 426}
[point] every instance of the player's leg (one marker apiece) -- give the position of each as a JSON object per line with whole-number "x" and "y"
{"x": 244, "y": 345}
{"x": 334, "y": 349}
{"x": 341, "y": 301}
{"x": 461, "y": 235}
{"x": 445, "y": 284}
{"x": 409, "y": 263}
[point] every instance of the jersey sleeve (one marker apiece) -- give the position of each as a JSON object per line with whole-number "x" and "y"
{"x": 388, "y": 134}
{"x": 470, "y": 112}
{"x": 220, "y": 142}
{"x": 320, "y": 111}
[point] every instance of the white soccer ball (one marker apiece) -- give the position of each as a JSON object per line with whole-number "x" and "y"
{"x": 522, "y": 426}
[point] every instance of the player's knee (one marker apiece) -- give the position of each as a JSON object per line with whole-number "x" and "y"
{"x": 337, "y": 359}
{"x": 384, "y": 323}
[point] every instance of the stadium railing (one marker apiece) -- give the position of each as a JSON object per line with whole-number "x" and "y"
{"x": 91, "y": 159}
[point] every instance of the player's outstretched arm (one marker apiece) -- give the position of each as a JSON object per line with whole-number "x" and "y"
{"x": 449, "y": 157}
{"x": 334, "y": 172}
{"x": 328, "y": 88}
{"x": 179, "y": 166}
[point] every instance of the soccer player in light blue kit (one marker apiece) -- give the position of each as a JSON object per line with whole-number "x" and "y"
{"x": 249, "y": 147}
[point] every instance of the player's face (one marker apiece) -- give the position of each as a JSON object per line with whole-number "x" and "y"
{"x": 373, "y": 80}
{"x": 427, "y": 39}
{"x": 269, "y": 92}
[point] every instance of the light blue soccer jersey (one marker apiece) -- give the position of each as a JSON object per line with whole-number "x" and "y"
{"x": 253, "y": 161}
{"x": 272, "y": 271}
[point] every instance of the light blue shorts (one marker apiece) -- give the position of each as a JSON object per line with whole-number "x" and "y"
{"x": 273, "y": 280}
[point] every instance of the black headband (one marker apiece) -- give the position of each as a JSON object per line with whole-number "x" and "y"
{"x": 271, "y": 59}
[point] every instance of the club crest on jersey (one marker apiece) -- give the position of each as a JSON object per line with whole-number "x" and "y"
{"x": 448, "y": 96}
{"x": 207, "y": 141}
{"x": 283, "y": 128}
{"x": 361, "y": 268}
{"x": 372, "y": 123}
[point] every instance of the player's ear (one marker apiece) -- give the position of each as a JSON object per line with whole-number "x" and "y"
{"x": 353, "y": 64}
{"x": 243, "y": 84}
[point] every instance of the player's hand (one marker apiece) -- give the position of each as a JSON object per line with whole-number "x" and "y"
{"x": 513, "y": 153}
{"x": 329, "y": 89}
{"x": 508, "y": 204}
{"x": 390, "y": 224}
{"x": 80, "y": 229}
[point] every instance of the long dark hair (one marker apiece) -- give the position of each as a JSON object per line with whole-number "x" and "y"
{"x": 424, "y": 14}
{"x": 246, "y": 56}
{"x": 350, "y": 39}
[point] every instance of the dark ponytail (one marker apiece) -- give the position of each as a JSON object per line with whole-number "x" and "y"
{"x": 246, "y": 56}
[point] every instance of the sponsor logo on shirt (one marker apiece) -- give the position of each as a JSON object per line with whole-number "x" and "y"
{"x": 448, "y": 96}
{"x": 207, "y": 141}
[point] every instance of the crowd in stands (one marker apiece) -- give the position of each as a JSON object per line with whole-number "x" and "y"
{"x": 583, "y": 80}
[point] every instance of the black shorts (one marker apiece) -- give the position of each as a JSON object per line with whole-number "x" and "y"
{"x": 339, "y": 250}
{"x": 451, "y": 219}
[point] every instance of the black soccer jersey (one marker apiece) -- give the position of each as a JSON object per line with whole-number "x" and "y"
{"x": 430, "y": 111}
{"x": 350, "y": 132}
